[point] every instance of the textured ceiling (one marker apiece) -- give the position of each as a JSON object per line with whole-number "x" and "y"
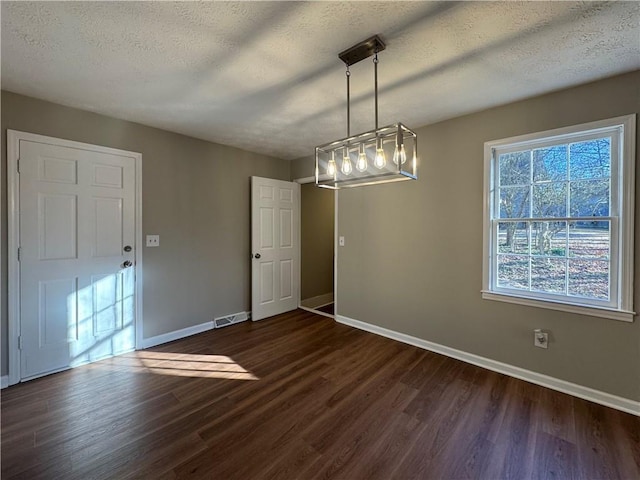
{"x": 265, "y": 76}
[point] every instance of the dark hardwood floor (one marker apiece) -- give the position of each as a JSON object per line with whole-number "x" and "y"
{"x": 299, "y": 396}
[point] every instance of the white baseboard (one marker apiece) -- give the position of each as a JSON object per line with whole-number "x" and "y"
{"x": 318, "y": 301}
{"x": 586, "y": 393}
{"x": 176, "y": 334}
{"x": 4, "y": 381}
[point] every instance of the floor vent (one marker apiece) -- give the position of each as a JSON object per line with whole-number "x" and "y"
{"x": 230, "y": 319}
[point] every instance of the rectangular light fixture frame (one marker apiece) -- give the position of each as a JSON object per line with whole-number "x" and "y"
{"x": 385, "y": 136}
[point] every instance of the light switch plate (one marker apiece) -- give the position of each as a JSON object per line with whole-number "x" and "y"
{"x": 153, "y": 240}
{"x": 341, "y": 241}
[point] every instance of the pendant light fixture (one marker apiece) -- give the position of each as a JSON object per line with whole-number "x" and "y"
{"x": 372, "y": 148}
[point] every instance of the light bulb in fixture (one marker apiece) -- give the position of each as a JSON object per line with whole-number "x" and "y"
{"x": 361, "y": 164}
{"x": 399, "y": 155}
{"x": 331, "y": 166}
{"x": 380, "y": 160}
{"x": 346, "y": 168}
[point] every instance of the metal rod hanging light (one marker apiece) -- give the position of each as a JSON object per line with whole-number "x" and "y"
{"x": 396, "y": 137}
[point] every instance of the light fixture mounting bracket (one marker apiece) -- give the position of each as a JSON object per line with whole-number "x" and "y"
{"x": 362, "y": 50}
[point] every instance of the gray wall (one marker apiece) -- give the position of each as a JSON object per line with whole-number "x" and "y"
{"x": 303, "y": 168}
{"x": 196, "y": 196}
{"x": 413, "y": 256}
{"x": 316, "y": 247}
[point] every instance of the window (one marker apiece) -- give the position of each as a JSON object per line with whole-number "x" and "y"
{"x": 558, "y": 226}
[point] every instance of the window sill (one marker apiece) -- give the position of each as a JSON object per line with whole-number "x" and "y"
{"x": 621, "y": 315}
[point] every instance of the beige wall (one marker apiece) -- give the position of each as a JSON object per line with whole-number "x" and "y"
{"x": 317, "y": 226}
{"x": 196, "y": 196}
{"x": 303, "y": 168}
{"x": 413, "y": 256}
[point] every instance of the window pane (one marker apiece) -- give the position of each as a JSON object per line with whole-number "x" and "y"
{"x": 589, "y": 239}
{"x": 550, "y": 164}
{"x": 589, "y": 278}
{"x": 514, "y": 202}
{"x": 550, "y": 199}
{"x": 513, "y": 271}
{"x": 548, "y": 275}
{"x": 515, "y": 168}
{"x": 589, "y": 198}
{"x": 590, "y": 159}
{"x": 549, "y": 238}
{"x": 513, "y": 237}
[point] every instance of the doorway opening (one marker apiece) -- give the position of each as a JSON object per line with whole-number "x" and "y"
{"x": 317, "y": 241}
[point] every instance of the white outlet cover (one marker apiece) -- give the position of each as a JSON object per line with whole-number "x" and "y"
{"x": 541, "y": 339}
{"x": 153, "y": 240}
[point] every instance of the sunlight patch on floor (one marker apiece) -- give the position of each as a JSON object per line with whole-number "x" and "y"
{"x": 182, "y": 365}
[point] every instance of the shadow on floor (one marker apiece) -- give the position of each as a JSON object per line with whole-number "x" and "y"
{"x": 326, "y": 309}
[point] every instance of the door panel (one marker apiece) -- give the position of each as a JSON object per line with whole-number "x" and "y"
{"x": 275, "y": 247}
{"x": 59, "y": 170}
{"x": 58, "y": 232}
{"x": 76, "y": 215}
{"x": 286, "y": 228}
{"x": 58, "y": 324}
{"x": 267, "y": 221}
{"x": 268, "y": 284}
{"x": 107, "y": 299}
{"x": 107, "y": 176}
{"x": 286, "y": 279}
{"x": 109, "y": 229}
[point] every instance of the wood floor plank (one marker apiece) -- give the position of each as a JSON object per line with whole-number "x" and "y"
{"x": 359, "y": 437}
{"x": 291, "y": 462}
{"x": 433, "y": 446}
{"x": 599, "y": 458}
{"x": 272, "y": 421}
{"x": 555, "y": 458}
{"x": 516, "y": 436}
{"x": 557, "y": 412}
{"x": 391, "y": 445}
{"x": 299, "y": 396}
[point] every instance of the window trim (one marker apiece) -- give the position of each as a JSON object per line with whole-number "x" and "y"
{"x": 624, "y": 200}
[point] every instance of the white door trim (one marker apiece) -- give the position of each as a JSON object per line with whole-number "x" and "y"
{"x": 13, "y": 233}
{"x": 302, "y": 181}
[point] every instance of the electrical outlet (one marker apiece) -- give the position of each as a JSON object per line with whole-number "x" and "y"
{"x": 153, "y": 240}
{"x": 540, "y": 338}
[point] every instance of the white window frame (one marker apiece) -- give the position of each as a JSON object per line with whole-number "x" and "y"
{"x": 623, "y": 161}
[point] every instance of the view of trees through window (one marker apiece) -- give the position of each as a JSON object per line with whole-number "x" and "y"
{"x": 553, "y": 219}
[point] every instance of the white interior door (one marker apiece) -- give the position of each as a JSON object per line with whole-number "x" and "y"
{"x": 275, "y": 247}
{"x": 77, "y": 247}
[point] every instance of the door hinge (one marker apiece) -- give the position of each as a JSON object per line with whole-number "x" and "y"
{"x": 19, "y": 342}
{"x": 18, "y": 165}
{"x": 18, "y": 253}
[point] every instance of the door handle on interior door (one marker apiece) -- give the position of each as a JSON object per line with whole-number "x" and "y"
{"x": 257, "y": 255}
{"x": 127, "y": 263}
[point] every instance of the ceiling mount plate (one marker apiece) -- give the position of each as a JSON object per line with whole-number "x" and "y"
{"x": 362, "y": 50}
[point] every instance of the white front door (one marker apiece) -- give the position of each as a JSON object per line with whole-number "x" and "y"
{"x": 77, "y": 248}
{"x": 275, "y": 247}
